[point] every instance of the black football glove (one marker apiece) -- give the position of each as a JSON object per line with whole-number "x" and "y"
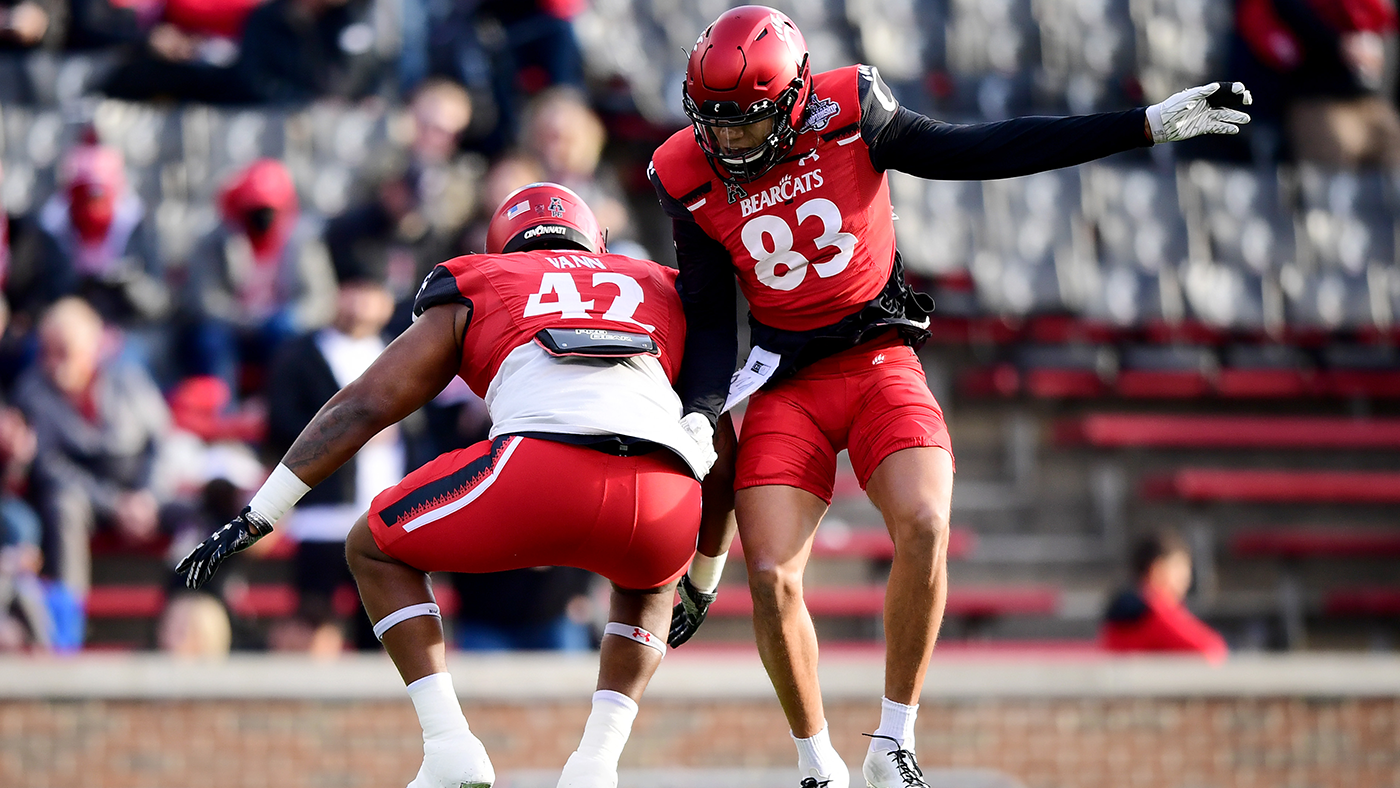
{"x": 240, "y": 534}
{"x": 689, "y": 613}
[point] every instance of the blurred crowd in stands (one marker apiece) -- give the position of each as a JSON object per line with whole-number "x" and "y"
{"x": 144, "y": 396}
{"x": 144, "y": 390}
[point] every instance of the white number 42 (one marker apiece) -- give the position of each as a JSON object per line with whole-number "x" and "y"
{"x": 567, "y": 302}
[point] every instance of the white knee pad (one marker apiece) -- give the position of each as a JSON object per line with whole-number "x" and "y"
{"x": 636, "y": 633}
{"x": 405, "y": 613}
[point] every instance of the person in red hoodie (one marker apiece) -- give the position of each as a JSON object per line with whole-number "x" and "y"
{"x": 262, "y": 276}
{"x": 1151, "y": 616}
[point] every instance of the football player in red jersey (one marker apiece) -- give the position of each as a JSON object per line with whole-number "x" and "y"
{"x": 781, "y": 185}
{"x": 589, "y": 464}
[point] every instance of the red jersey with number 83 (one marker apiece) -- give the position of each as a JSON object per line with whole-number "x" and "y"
{"x": 813, "y": 239}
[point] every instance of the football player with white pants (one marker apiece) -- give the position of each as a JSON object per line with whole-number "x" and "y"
{"x": 589, "y": 464}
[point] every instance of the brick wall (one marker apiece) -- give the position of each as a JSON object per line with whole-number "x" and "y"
{"x": 1047, "y": 743}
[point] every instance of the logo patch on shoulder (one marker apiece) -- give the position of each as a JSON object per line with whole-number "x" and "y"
{"x": 820, "y": 112}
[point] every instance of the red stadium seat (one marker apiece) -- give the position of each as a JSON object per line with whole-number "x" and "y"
{"x": 264, "y": 601}
{"x": 1361, "y": 383}
{"x": 125, "y": 601}
{"x": 1306, "y": 543}
{"x": 1162, "y": 384}
{"x": 1268, "y": 486}
{"x": 1125, "y": 430}
{"x": 1264, "y": 383}
{"x": 1362, "y": 602}
{"x": 1064, "y": 384}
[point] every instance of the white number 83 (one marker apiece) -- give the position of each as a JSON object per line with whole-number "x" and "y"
{"x": 757, "y": 232}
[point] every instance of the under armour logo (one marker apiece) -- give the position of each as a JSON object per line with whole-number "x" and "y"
{"x": 879, "y": 359}
{"x": 641, "y": 634}
{"x": 812, "y": 156}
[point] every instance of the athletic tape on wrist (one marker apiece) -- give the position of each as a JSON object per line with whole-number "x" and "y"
{"x": 405, "y": 613}
{"x": 279, "y": 493}
{"x": 635, "y": 633}
{"x": 705, "y": 571}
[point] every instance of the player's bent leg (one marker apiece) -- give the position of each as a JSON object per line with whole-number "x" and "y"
{"x": 633, "y": 645}
{"x": 913, "y": 489}
{"x": 399, "y": 600}
{"x": 777, "y": 524}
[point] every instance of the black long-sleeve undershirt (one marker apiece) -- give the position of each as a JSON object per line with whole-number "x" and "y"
{"x": 927, "y": 148}
{"x": 707, "y": 295}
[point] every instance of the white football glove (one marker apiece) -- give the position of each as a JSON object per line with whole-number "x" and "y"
{"x": 699, "y": 429}
{"x": 1191, "y": 113}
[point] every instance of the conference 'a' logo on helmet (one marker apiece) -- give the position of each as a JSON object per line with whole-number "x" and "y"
{"x": 556, "y": 207}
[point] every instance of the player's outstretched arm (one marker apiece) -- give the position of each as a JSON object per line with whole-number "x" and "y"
{"x": 903, "y": 140}
{"x": 409, "y": 373}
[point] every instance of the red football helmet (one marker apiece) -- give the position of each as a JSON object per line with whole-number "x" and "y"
{"x": 543, "y": 216}
{"x": 746, "y": 87}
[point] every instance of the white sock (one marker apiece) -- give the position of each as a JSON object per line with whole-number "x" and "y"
{"x": 817, "y": 754}
{"x": 896, "y": 722}
{"x": 439, "y": 712}
{"x": 608, "y": 727}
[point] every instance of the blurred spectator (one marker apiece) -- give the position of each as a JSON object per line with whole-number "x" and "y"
{"x": 100, "y": 24}
{"x": 1330, "y": 60}
{"x": 260, "y": 277}
{"x": 1151, "y": 616}
{"x": 503, "y": 50}
{"x": 99, "y": 427}
{"x": 307, "y": 373}
{"x": 541, "y": 609}
{"x": 420, "y": 202}
{"x": 564, "y": 134}
{"x": 297, "y": 50}
{"x": 27, "y": 24}
{"x": 99, "y": 242}
{"x": 185, "y": 53}
{"x": 505, "y": 176}
{"x": 195, "y": 626}
{"x": 24, "y": 617}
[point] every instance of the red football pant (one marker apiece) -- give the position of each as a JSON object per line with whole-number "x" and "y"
{"x": 519, "y": 502}
{"x": 872, "y": 400}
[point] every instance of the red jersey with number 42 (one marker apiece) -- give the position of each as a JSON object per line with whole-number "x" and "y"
{"x": 812, "y": 240}
{"x": 515, "y": 296}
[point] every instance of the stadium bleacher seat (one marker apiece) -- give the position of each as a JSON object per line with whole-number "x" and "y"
{"x": 1276, "y": 486}
{"x": 1179, "y": 43}
{"x": 993, "y": 54}
{"x": 1088, "y": 54}
{"x": 1033, "y": 259}
{"x": 1132, "y": 430}
{"x": 1295, "y": 543}
{"x": 1368, "y": 602}
{"x": 1173, "y": 371}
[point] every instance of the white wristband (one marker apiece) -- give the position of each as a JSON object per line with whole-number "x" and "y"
{"x": 705, "y": 571}
{"x": 279, "y": 493}
{"x": 1154, "y": 122}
